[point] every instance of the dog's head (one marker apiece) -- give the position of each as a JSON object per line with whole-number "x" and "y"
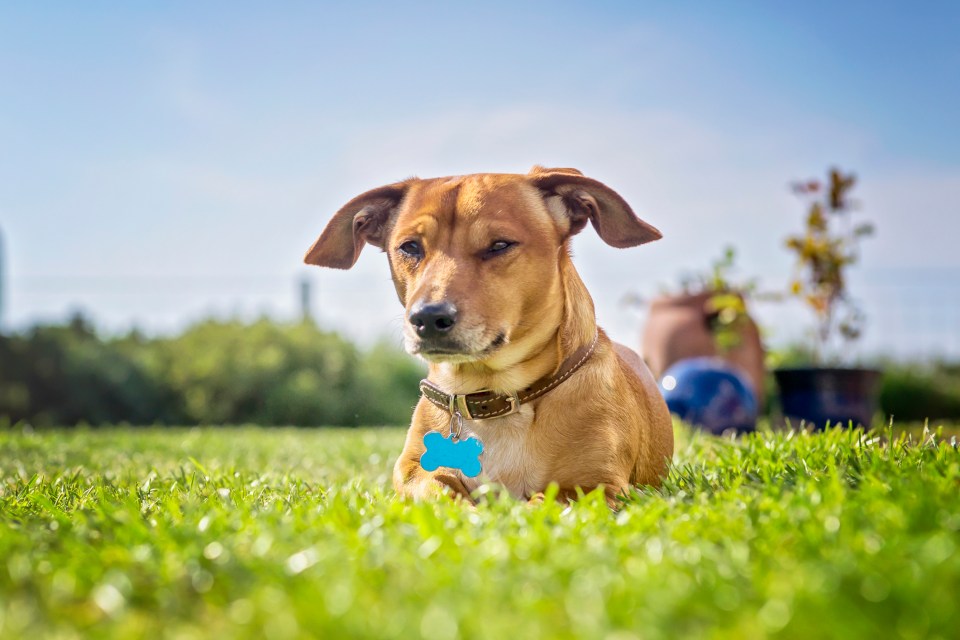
{"x": 476, "y": 259}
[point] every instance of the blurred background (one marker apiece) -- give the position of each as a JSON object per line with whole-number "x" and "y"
{"x": 163, "y": 168}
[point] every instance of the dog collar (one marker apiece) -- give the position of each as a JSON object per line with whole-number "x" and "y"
{"x": 486, "y": 404}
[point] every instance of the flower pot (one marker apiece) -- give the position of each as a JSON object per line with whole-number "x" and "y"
{"x": 822, "y": 395}
{"x": 678, "y": 327}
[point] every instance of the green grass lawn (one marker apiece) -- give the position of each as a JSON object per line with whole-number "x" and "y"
{"x": 282, "y": 533}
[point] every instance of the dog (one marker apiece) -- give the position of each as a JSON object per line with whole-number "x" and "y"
{"x": 494, "y": 305}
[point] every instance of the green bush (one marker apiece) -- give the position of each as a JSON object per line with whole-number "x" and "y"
{"x": 65, "y": 375}
{"x": 214, "y": 373}
{"x": 918, "y": 393}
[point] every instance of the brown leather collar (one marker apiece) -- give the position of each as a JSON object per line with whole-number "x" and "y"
{"x": 486, "y": 404}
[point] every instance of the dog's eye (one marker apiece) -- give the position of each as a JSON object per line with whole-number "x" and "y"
{"x": 411, "y": 249}
{"x": 497, "y": 248}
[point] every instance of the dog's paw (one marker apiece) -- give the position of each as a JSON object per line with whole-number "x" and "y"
{"x": 453, "y": 487}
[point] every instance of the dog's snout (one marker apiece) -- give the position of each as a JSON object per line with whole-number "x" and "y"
{"x": 433, "y": 319}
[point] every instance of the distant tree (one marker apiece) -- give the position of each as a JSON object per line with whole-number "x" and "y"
{"x": 215, "y": 372}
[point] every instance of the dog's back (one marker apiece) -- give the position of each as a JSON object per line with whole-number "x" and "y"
{"x": 658, "y": 451}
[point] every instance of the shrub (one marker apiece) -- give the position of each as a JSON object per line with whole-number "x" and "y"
{"x": 918, "y": 393}
{"x": 66, "y": 375}
{"x": 215, "y": 372}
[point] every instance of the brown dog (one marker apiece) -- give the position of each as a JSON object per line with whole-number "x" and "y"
{"x": 494, "y": 305}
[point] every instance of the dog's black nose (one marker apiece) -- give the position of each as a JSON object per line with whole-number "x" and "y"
{"x": 433, "y": 319}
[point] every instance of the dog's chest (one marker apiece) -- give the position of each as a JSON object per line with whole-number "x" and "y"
{"x": 510, "y": 456}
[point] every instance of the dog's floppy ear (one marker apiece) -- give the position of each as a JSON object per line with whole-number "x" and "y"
{"x": 363, "y": 219}
{"x": 583, "y": 198}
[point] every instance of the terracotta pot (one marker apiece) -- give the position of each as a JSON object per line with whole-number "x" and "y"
{"x": 678, "y": 327}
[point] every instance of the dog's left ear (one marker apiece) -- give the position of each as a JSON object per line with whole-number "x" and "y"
{"x": 583, "y": 198}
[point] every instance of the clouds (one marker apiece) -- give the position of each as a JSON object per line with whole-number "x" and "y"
{"x": 917, "y": 212}
{"x": 217, "y": 147}
{"x": 704, "y": 187}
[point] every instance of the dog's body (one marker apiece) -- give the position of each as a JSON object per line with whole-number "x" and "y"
{"x": 482, "y": 265}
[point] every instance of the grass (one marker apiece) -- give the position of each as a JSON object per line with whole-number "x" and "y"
{"x": 281, "y": 533}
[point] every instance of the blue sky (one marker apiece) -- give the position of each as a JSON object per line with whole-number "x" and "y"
{"x": 160, "y": 162}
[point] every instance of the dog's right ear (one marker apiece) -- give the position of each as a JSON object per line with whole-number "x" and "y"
{"x": 363, "y": 219}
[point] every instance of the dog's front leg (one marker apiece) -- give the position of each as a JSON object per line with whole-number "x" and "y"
{"x": 413, "y": 481}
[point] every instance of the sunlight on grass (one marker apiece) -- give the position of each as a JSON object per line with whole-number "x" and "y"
{"x": 281, "y": 533}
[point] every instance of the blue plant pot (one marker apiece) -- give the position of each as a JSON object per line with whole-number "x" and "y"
{"x": 826, "y": 395}
{"x": 710, "y": 394}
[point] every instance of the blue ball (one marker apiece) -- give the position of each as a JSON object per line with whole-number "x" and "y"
{"x": 710, "y": 394}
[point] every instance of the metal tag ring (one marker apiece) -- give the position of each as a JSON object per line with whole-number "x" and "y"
{"x": 456, "y": 425}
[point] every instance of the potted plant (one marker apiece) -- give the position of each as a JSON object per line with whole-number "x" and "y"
{"x": 706, "y": 317}
{"x": 825, "y": 249}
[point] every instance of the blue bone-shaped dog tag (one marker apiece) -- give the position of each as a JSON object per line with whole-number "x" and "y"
{"x": 447, "y": 452}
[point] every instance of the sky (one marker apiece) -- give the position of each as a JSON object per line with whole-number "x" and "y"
{"x": 160, "y": 162}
